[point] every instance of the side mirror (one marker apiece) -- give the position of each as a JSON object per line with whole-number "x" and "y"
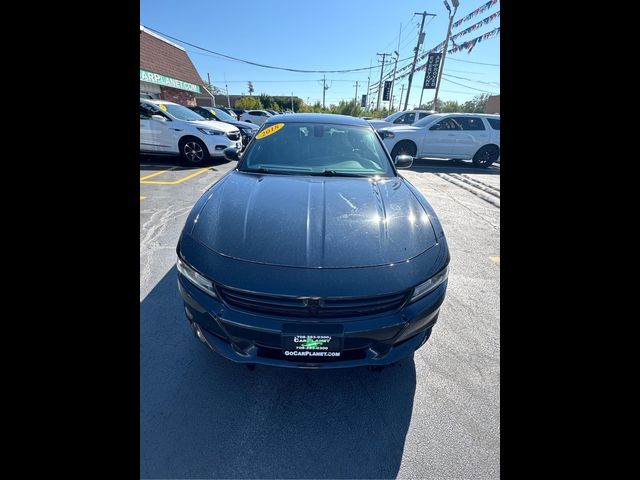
{"x": 231, "y": 153}
{"x": 403, "y": 161}
{"x": 386, "y": 134}
{"x": 159, "y": 118}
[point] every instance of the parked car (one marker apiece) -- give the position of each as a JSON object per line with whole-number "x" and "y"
{"x": 407, "y": 117}
{"x": 228, "y": 111}
{"x": 238, "y": 112}
{"x": 457, "y": 136}
{"x": 255, "y": 116}
{"x": 169, "y": 128}
{"x": 273, "y": 112}
{"x": 314, "y": 252}
{"x": 247, "y": 130}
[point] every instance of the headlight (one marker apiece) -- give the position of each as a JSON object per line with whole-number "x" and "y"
{"x": 209, "y": 131}
{"x": 194, "y": 277}
{"x": 430, "y": 285}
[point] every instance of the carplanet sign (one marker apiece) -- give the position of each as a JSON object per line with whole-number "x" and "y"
{"x": 158, "y": 79}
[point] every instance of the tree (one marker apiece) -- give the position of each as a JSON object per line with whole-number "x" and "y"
{"x": 251, "y": 89}
{"x": 249, "y": 103}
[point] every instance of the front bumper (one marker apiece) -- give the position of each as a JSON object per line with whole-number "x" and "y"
{"x": 217, "y": 143}
{"x": 245, "y": 337}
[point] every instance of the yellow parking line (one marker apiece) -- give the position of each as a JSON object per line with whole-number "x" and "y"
{"x": 495, "y": 259}
{"x": 175, "y": 182}
{"x": 157, "y": 173}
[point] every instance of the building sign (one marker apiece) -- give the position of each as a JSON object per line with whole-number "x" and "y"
{"x": 431, "y": 72}
{"x": 363, "y": 101}
{"x": 158, "y": 79}
{"x": 387, "y": 91}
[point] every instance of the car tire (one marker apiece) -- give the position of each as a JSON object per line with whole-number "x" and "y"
{"x": 485, "y": 157}
{"x": 404, "y": 147}
{"x": 193, "y": 151}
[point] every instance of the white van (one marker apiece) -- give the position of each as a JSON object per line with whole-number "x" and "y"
{"x": 169, "y": 128}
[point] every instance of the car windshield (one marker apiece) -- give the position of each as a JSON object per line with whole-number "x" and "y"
{"x": 426, "y": 121}
{"x": 317, "y": 149}
{"x": 222, "y": 115}
{"x": 393, "y": 116}
{"x": 181, "y": 113}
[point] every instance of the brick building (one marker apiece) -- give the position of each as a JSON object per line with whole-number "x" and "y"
{"x": 493, "y": 104}
{"x": 167, "y": 73}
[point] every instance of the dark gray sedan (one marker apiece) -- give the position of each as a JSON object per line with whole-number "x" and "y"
{"x": 313, "y": 252}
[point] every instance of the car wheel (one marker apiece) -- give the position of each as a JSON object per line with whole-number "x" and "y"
{"x": 405, "y": 147}
{"x": 486, "y": 156}
{"x": 193, "y": 151}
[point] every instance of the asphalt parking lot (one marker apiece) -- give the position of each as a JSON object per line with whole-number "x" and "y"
{"x": 434, "y": 416}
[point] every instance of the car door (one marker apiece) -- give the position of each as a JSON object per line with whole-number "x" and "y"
{"x": 494, "y": 129}
{"x": 147, "y": 142}
{"x": 473, "y": 136}
{"x": 440, "y": 138}
{"x": 165, "y": 132}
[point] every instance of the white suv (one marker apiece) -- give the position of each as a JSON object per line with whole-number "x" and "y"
{"x": 255, "y": 116}
{"x": 457, "y": 136}
{"x": 169, "y": 128}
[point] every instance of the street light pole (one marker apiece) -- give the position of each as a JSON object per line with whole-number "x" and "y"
{"x": 456, "y": 3}
{"x": 415, "y": 56}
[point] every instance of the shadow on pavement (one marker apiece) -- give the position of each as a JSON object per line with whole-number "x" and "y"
{"x": 203, "y": 416}
{"x": 448, "y": 166}
{"x": 155, "y": 162}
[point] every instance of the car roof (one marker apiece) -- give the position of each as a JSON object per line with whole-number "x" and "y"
{"x": 158, "y": 102}
{"x": 463, "y": 114}
{"x": 318, "y": 118}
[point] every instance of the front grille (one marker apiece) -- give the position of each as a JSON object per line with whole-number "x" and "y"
{"x": 234, "y": 135}
{"x": 312, "y": 307}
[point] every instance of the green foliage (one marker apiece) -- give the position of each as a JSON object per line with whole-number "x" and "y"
{"x": 249, "y": 103}
{"x": 476, "y": 105}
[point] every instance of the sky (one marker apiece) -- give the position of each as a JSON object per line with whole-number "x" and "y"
{"x": 326, "y": 35}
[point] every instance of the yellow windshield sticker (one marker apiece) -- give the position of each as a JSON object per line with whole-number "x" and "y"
{"x": 163, "y": 107}
{"x": 268, "y": 131}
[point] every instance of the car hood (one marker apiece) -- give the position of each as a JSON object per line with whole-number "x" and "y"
{"x": 380, "y": 123}
{"x": 225, "y": 127}
{"x": 402, "y": 128}
{"x": 313, "y": 222}
{"x": 251, "y": 126}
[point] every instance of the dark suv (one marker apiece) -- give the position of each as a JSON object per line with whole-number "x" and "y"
{"x": 247, "y": 130}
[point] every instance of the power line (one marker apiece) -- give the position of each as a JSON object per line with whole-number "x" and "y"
{"x": 258, "y": 64}
{"x": 472, "y": 88}
{"x": 477, "y": 63}
{"x": 472, "y": 80}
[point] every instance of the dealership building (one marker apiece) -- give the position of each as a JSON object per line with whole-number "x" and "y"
{"x": 167, "y": 73}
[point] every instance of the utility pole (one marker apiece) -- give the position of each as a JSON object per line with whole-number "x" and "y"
{"x": 292, "y": 110}
{"x": 384, "y": 55}
{"x": 356, "y": 97}
{"x": 368, "y": 82}
{"x": 213, "y": 97}
{"x": 395, "y": 67}
{"x": 456, "y": 3}
{"x": 226, "y": 86}
{"x": 324, "y": 89}
{"x": 401, "y": 92}
{"x": 415, "y": 56}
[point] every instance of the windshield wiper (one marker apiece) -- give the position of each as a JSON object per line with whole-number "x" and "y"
{"x": 336, "y": 173}
{"x": 268, "y": 170}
